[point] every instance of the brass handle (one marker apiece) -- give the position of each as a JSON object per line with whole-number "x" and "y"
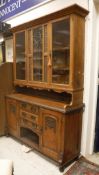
{"x": 34, "y": 125}
{"x": 23, "y": 114}
{"x": 23, "y": 105}
{"x": 33, "y": 109}
{"x": 25, "y": 121}
{"x": 33, "y": 117}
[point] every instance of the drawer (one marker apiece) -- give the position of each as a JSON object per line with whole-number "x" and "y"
{"x": 30, "y": 108}
{"x": 28, "y": 124}
{"x": 29, "y": 116}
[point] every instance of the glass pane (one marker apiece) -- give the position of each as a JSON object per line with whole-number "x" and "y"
{"x": 40, "y": 53}
{"x": 20, "y": 55}
{"x": 61, "y": 51}
{"x": 38, "y": 64}
{"x": 30, "y": 60}
{"x": 37, "y": 53}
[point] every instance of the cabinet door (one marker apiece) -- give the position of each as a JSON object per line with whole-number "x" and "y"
{"x": 38, "y": 54}
{"x": 20, "y": 60}
{"x": 12, "y": 117}
{"x": 51, "y": 134}
{"x": 61, "y": 51}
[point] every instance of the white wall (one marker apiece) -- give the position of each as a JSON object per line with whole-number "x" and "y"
{"x": 91, "y": 78}
{"x": 9, "y": 50}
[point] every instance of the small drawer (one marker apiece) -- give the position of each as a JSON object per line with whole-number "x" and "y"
{"x": 28, "y": 116}
{"x": 29, "y": 124}
{"x": 30, "y": 108}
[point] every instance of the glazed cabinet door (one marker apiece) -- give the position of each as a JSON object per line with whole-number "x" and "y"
{"x": 49, "y": 54}
{"x": 42, "y": 55}
{"x": 51, "y": 133}
{"x": 61, "y": 51}
{"x": 12, "y": 117}
{"x": 20, "y": 57}
{"x": 38, "y": 54}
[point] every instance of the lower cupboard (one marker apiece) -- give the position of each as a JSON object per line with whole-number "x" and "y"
{"x": 47, "y": 128}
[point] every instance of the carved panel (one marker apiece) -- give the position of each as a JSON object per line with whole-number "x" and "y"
{"x": 12, "y": 108}
{"x": 50, "y": 123}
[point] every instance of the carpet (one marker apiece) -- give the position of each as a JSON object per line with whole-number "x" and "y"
{"x": 83, "y": 167}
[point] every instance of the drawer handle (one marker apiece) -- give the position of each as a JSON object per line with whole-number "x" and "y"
{"x": 33, "y": 117}
{"x": 34, "y": 109}
{"x": 34, "y": 125}
{"x": 24, "y": 105}
{"x": 24, "y": 114}
{"x": 25, "y": 121}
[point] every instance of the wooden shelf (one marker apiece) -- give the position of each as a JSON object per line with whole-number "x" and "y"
{"x": 58, "y": 49}
{"x": 60, "y": 69}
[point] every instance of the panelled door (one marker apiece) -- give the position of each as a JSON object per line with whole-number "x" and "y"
{"x": 51, "y": 133}
{"x": 12, "y": 117}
